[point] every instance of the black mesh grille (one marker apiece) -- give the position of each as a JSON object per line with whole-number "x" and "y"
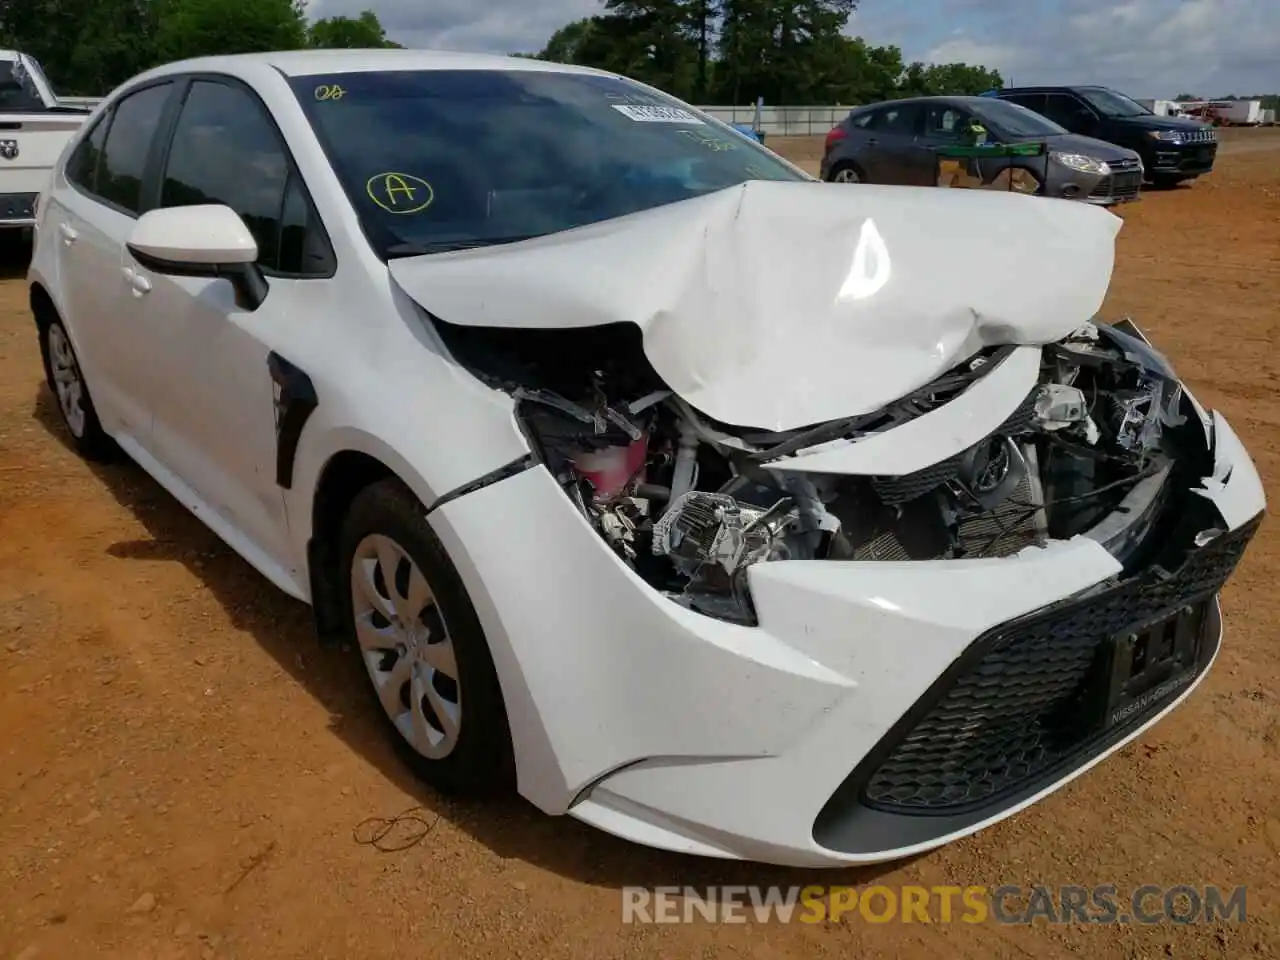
{"x": 1118, "y": 186}
{"x": 1028, "y": 699}
{"x": 895, "y": 490}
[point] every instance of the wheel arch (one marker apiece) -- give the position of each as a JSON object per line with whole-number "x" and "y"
{"x": 43, "y": 310}
{"x": 331, "y": 478}
{"x": 847, "y": 164}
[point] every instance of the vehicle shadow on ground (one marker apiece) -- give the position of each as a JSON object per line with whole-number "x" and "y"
{"x": 15, "y": 254}
{"x": 511, "y": 828}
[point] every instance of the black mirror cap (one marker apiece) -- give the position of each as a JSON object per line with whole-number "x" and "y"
{"x": 247, "y": 279}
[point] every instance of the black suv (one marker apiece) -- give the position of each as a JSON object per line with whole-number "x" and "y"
{"x": 1173, "y": 149}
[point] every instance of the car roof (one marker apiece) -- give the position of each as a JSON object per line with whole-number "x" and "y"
{"x": 302, "y": 63}
{"x": 953, "y": 101}
{"x": 1049, "y": 88}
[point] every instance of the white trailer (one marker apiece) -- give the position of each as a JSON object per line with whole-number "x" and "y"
{"x": 1163, "y": 108}
{"x": 1238, "y": 113}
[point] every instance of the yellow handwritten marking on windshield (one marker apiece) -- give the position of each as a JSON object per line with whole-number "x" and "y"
{"x": 330, "y": 91}
{"x": 400, "y": 192}
{"x": 708, "y": 140}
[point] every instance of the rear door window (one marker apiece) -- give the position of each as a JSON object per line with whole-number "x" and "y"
{"x": 1065, "y": 109}
{"x": 900, "y": 120}
{"x": 946, "y": 124}
{"x": 1032, "y": 101}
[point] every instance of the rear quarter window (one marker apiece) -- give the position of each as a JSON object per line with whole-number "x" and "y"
{"x": 18, "y": 92}
{"x": 82, "y": 165}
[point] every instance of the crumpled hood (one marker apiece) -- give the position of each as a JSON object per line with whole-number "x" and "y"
{"x": 777, "y": 305}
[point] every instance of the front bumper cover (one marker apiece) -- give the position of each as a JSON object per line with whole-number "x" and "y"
{"x": 686, "y": 733}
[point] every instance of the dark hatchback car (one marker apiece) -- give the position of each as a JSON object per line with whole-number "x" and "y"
{"x": 899, "y": 142}
{"x": 1173, "y": 149}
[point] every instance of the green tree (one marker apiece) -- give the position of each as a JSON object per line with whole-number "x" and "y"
{"x": 85, "y": 46}
{"x": 600, "y": 42}
{"x": 362, "y": 32}
{"x": 194, "y": 28}
{"x": 666, "y": 33}
{"x": 573, "y": 42}
{"x": 960, "y": 79}
{"x": 767, "y": 47}
{"x": 847, "y": 70}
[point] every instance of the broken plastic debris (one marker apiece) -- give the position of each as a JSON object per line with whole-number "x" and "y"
{"x": 1060, "y": 406}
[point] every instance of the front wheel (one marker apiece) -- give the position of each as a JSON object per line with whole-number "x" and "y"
{"x": 1166, "y": 181}
{"x": 422, "y": 646}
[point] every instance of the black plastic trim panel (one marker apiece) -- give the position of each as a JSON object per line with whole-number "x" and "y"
{"x": 295, "y": 401}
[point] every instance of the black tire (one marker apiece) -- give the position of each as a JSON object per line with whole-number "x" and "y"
{"x": 481, "y": 762}
{"x": 87, "y": 436}
{"x": 845, "y": 167}
{"x": 1166, "y": 181}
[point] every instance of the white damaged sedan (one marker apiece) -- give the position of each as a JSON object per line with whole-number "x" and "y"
{"x": 726, "y": 510}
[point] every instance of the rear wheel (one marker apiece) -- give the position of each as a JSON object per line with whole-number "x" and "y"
{"x": 422, "y": 645}
{"x": 65, "y": 379}
{"x": 845, "y": 173}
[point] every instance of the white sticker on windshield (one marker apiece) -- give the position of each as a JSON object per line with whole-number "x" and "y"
{"x": 646, "y": 114}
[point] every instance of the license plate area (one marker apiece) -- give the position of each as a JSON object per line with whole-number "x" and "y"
{"x": 1153, "y": 663}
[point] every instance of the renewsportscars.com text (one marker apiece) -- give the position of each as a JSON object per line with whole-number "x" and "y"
{"x": 1008, "y": 904}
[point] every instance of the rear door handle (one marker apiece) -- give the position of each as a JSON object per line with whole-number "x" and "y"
{"x": 136, "y": 280}
{"x": 69, "y": 233}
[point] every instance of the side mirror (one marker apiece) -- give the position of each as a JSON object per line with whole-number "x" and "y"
{"x": 206, "y": 240}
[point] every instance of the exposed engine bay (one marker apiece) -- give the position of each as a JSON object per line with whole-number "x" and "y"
{"x": 691, "y": 503}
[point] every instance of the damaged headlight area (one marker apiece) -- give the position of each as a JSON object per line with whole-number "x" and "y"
{"x": 690, "y": 504}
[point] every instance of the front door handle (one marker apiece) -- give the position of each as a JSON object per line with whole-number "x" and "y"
{"x": 136, "y": 280}
{"x": 69, "y": 234}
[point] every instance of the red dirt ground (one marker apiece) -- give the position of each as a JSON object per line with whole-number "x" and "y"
{"x": 181, "y": 768}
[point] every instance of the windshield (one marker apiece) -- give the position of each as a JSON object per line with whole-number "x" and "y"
{"x": 1015, "y": 121}
{"x": 441, "y": 159}
{"x": 18, "y": 91}
{"x": 1113, "y": 104}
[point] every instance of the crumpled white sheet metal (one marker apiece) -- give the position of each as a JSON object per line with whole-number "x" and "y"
{"x": 778, "y": 305}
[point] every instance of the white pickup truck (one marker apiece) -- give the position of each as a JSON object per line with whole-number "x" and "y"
{"x": 34, "y": 127}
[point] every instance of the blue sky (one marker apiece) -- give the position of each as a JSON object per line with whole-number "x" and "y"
{"x": 1147, "y": 48}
